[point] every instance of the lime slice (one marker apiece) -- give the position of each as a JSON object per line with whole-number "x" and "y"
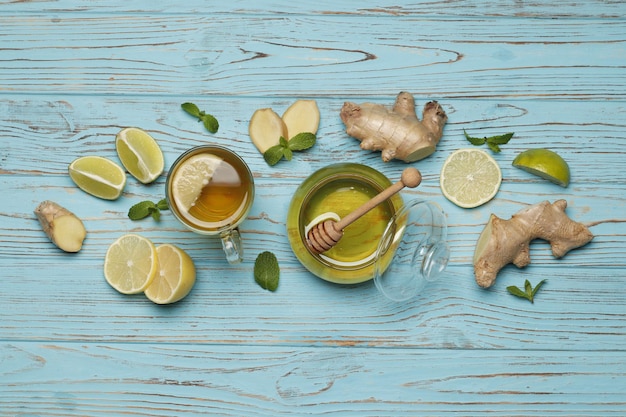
{"x": 470, "y": 178}
{"x": 545, "y": 164}
{"x": 130, "y": 264}
{"x": 175, "y": 277}
{"x": 191, "y": 177}
{"x": 98, "y": 176}
{"x": 140, "y": 154}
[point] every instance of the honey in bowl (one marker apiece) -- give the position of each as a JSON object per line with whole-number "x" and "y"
{"x": 336, "y": 191}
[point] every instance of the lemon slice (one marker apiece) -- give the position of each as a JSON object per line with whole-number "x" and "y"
{"x": 545, "y": 164}
{"x": 175, "y": 277}
{"x": 98, "y": 176}
{"x": 140, "y": 154}
{"x": 470, "y": 178}
{"x": 191, "y": 177}
{"x": 130, "y": 264}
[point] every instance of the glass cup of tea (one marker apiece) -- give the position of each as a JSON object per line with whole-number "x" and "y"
{"x": 210, "y": 190}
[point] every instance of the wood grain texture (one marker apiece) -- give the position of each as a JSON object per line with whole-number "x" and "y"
{"x": 74, "y": 73}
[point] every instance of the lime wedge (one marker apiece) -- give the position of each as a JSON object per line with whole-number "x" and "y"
{"x": 545, "y": 164}
{"x": 140, "y": 154}
{"x": 98, "y": 176}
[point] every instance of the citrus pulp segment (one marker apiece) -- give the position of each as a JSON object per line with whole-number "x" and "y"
{"x": 140, "y": 154}
{"x": 130, "y": 264}
{"x": 191, "y": 177}
{"x": 175, "y": 277}
{"x": 98, "y": 176}
{"x": 470, "y": 177}
{"x": 544, "y": 163}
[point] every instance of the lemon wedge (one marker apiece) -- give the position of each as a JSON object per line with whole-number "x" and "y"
{"x": 98, "y": 176}
{"x": 140, "y": 154}
{"x": 470, "y": 178}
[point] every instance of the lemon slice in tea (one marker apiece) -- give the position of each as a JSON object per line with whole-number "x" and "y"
{"x": 130, "y": 264}
{"x": 470, "y": 177}
{"x": 191, "y": 177}
{"x": 175, "y": 277}
{"x": 98, "y": 176}
{"x": 545, "y": 164}
{"x": 140, "y": 154}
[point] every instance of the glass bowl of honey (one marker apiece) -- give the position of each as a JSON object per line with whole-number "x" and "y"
{"x": 376, "y": 246}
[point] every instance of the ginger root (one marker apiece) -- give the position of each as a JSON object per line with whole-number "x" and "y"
{"x": 61, "y": 226}
{"x": 398, "y": 132}
{"x": 508, "y": 241}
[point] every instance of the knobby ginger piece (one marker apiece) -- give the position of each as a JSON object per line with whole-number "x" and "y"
{"x": 61, "y": 226}
{"x": 508, "y": 241}
{"x": 398, "y": 132}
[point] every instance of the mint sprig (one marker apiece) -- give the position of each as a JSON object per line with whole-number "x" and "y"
{"x": 493, "y": 142}
{"x": 209, "y": 121}
{"x": 267, "y": 271}
{"x": 528, "y": 292}
{"x": 147, "y": 208}
{"x": 286, "y": 148}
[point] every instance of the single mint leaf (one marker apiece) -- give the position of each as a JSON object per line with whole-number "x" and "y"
{"x": 191, "y": 108}
{"x": 283, "y": 142}
{"x": 474, "y": 141}
{"x": 274, "y": 154}
{"x": 302, "y": 141}
{"x": 155, "y": 213}
{"x": 493, "y": 146}
{"x": 267, "y": 271}
{"x": 210, "y": 123}
{"x": 516, "y": 292}
{"x": 501, "y": 139}
{"x": 162, "y": 205}
{"x": 140, "y": 210}
{"x": 539, "y": 284}
{"x": 288, "y": 154}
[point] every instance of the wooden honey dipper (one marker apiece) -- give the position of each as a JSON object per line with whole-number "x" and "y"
{"x": 324, "y": 235}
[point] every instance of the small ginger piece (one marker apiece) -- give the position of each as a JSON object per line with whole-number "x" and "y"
{"x": 303, "y": 116}
{"x": 61, "y": 226}
{"x": 398, "y": 132}
{"x": 508, "y": 241}
{"x": 265, "y": 129}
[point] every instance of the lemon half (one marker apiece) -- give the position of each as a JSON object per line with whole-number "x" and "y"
{"x": 191, "y": 177}
{"x": 130, "y": 264}
{"x": 470, "y": 177}
{"x": 175, "y": 277}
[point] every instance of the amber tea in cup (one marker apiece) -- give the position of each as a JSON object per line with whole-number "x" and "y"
{"x": 210, "y": 189}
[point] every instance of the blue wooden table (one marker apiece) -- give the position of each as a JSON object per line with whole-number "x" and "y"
{"x": 74, "y": 73}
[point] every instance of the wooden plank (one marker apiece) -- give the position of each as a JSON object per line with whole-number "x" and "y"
{"x": 248, "y": 55}
{"x": 194, "y": 380}
{"x": 606, "y": 9}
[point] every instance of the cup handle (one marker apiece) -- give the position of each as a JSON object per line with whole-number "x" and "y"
{"x": 231, "y": 243}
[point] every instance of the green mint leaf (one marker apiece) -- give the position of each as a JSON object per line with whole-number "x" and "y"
{"x": 210, "y": 123}
{"x": 493, "y": 146}
{"x": 539, "y": 284}
{"x": 267, "y": 271}
{"x": 274, "y": 154}
{"x": 191, "y": 108}
{"x": 474, "y": 141}
{"x": 140, "y": 210}
{"x": 155, "y": 213}
{"x": 516, "y": 292}
{"x": 501, "y": 139}
{"x": 288, "y": 154}
{"x": 283, "y": 142}
{"x": 162, "y": 205}
{"x": 302, "y": 141}
{"x": 528, "y": 288}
